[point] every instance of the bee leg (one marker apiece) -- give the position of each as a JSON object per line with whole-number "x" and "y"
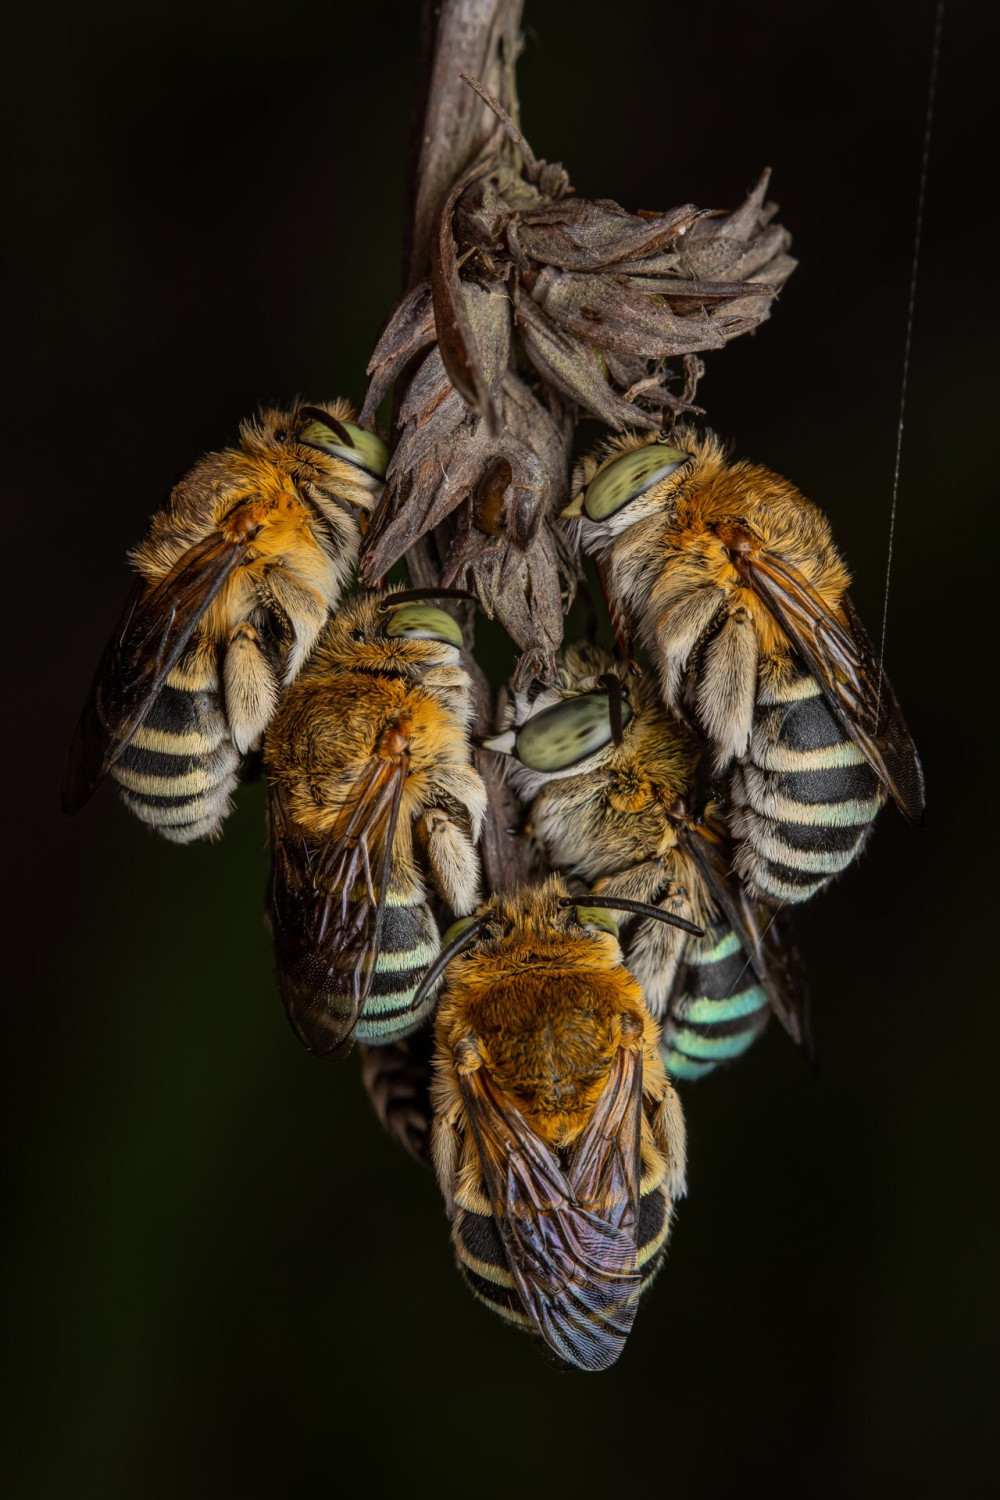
{"x": 452, "y": 860}
{"x": 460, "y": 789}
{"x": 707, "y": 784}
{"x": 679, "y": 630}
{"x": 727, "y": 691}
{"x": 305, "y": 610}
{"x": 446, "y": 1137}
{"x": 621, "y": 622}
{"x": 670, "y": 1135}
{"x": 653, "y": 950}
{"x": 250, "y": 687}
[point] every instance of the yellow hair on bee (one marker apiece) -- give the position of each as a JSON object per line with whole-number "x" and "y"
{"x": 608, "y": 818}
{"x": 669, "y": 565}
{"x": 545, "y": 1000}
{"x": 730, "y": 577}
{"x": 237, "y": 574}
{"x": 558, "y": 1140}
{"x": 373, "y": 798}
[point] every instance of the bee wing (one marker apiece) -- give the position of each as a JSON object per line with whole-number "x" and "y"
{"x": 843, "y": 661}
{"x": 156, "y": 625}
{"x": 786, "y": 981}
{"x": 771, "y": 954}
{"x": 326, "y": 934}
{"x": 606, "y": 1165}
{"x": 573, "y": 1266}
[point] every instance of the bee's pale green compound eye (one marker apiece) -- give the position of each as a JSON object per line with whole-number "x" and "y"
{"x": 368, "y": 453}
{"x": 567, "y": 732}
{"x": 626, "y": 478}
{"x": 456, "y": 929}
{"x": 597, "y": 916}
{"x": 422, "y": 622}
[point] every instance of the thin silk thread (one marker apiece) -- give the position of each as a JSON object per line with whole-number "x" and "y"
{"x": 757, "y": 946}
{"x": 908, "y": 338}
{"x": 907, "y": 346}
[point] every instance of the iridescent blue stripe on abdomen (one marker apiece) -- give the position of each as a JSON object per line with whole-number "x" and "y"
{"x": 717, "y": 1009}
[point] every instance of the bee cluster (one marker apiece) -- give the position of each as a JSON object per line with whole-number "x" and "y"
{"x": 532, "y": 1049}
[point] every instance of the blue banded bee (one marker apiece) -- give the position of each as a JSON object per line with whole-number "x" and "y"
{"x": 738, "y": 592}
{"x": 612, "y": 786}
{"x": 235, "y": 577}
{"x": 373, "y": 798}
{"x": 558, "y": 1139}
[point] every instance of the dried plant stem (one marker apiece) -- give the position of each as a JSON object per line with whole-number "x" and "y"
{"x": 525, "y": 307}
{"x": 451, "y": 128}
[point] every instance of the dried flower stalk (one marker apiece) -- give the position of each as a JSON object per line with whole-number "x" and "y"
{"x": 527, "y": 307}
{"x": 537, "y": 307}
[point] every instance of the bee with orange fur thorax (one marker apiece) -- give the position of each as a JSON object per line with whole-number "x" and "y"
{"x": 612, "y": 786}
{"x": 236, "y": 576}
{"x": 737, "y": 590}
{"x": 373, "y": 798}
{"x": 558, "y": 1139}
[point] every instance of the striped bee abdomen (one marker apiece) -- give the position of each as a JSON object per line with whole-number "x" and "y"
{"x": 180, "y": 767}
{"x": 483, "y": 1262}
{"x": 803, "y": 800}
{"x": 408, "y": 942}
{"x": 652, "y": 1231}
{"x": 717, "y": 1009}
{"x": 397, "y": 1079}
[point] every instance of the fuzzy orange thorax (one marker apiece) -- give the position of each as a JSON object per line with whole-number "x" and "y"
{"x": 547, "y": 1031}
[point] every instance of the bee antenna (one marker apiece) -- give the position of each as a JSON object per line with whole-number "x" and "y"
{"x": 642, "y": 908}
{"x": 613, "y": 687}
{"x": 317, "y": 414}
{"x": 403, "y": 596}
{"x": 445, "y": 957}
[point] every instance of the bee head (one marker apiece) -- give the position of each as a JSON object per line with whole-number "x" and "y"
{"x": 630, "y": 478}
{"x": 535, "y": 923}
{"x": 328, "y": 430}
{"x": 539, "y": 923}
{"x": 323, "y": 447}
{"x": 567, "y": 730}
{"x": 393, "y": 634}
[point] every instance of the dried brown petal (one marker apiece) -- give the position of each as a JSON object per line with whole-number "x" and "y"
{"x": 575, "y": 369}
{"x": 408, "y": 329}
{"x": 739, "y": 245}
{"x": 457, "y": 343}
{"x": 613, "y": 313}
{"x": 528, "y": 592}
{"x": 583, "y": 234}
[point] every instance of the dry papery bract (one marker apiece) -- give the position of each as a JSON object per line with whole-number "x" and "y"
{"x": 540, "y": 308}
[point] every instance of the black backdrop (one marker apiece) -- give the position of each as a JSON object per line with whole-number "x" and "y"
{"x": 224, "y": 1280}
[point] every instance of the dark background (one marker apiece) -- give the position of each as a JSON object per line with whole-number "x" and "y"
{"x": 224, "y": 1280}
